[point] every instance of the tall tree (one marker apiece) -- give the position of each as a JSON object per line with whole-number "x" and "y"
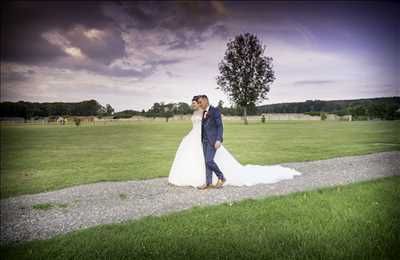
{"x": 245, "y": 73}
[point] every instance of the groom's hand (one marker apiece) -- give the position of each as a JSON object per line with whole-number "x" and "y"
{"x": 217, "y": 144}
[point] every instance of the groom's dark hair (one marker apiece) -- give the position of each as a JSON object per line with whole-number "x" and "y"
{"x": 196, "y": 98}
{"x": 204, "y": 96}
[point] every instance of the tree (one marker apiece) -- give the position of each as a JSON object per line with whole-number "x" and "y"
{"x": 323, "y": 116}
{"x": 183, "y": 108}
{"x": 109, "y": 109}
{"x": 245, "y": 73}
{"x": 77, "y": 121}
{"x": 220, "y": 104}
{"x": 167, "y": 115}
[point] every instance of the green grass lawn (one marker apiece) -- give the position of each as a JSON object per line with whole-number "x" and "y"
{"x": 357, "y": 221}
{"x": 40, "y": 158}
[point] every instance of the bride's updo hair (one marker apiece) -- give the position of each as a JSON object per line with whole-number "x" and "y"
{"x": 196, "y": 98}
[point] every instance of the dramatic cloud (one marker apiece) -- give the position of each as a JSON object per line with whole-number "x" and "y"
{"x": 131, "y": 54}
{"x": 130, "y": 36}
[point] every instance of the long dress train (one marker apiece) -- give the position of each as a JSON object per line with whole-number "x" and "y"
{"x": 188, "y": 167}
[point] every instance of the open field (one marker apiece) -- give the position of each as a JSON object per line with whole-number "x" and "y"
{"x": 38, "y": 158}
{"x": 357, "y": 221}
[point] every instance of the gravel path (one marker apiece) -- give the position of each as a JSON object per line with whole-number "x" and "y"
{"x": 110, "y": 202}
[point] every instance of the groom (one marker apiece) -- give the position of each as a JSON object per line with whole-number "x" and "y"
{"x": 211, "y": 137}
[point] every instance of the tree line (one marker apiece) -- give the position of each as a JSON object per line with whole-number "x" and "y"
{"x": 383, "y": 108}
{"x": 360, "y": 109}
{"x": 29, "y": 110}
{"x": 369, "y": 108}
{"x": 161, "y": 109}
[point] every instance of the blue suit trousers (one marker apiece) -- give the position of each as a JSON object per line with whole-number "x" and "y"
{"x": 209, "y": 153}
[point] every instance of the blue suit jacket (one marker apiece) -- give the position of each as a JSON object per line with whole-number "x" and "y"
{"x": 212, "y": 127}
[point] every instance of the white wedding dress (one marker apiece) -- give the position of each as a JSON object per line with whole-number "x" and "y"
{"x": 188, "y": 167}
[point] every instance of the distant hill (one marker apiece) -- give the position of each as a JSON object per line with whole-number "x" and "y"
{"x": 383, "y": 107}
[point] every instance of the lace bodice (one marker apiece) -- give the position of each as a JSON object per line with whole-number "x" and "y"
{"x": 196, "y": 119}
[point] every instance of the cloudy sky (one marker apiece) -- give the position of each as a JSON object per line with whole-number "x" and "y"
{"x": 132, "y": 54}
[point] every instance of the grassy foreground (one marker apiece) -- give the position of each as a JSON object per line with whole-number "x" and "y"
{"x": 38, "y": 158}
{"x": 358, "y": 221}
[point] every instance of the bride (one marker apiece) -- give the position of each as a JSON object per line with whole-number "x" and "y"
{"x": 188, "y": 167}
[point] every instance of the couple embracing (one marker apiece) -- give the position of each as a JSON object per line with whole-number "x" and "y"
{"x": 201, "y": 153}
